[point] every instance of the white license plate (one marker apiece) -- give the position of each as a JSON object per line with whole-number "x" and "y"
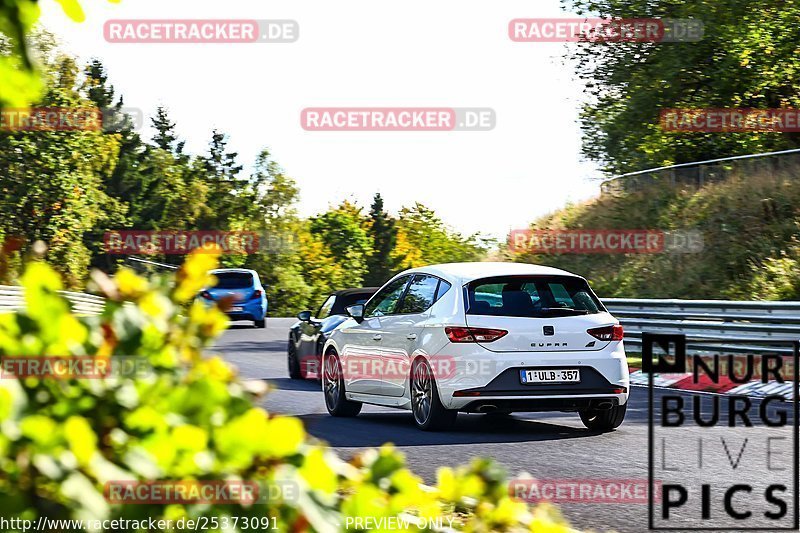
{"x": 558, "y": 375}
{"x": 236, "y": 309}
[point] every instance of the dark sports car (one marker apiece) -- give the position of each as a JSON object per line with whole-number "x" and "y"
{"x": 308, "y": 336}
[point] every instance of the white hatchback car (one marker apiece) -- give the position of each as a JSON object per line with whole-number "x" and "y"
{"x": 479, "y": 338}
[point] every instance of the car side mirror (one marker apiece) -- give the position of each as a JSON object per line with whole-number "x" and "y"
{"x": 304, "y": 316}
{"x": 356, "y": 312}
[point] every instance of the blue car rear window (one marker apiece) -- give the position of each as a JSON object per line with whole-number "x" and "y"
{"x": 233, "y": 280}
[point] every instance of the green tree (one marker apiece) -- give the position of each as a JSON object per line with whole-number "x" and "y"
{"x": 220, "y": 172}
{"x": 52, "y": 182}
{"x": 343, "y": 234}
{"x": 279, "y": 261}
{"x": 165, "y": 136}
{"x": 423, "y": 239}
{"x": 125, "y": 176}
{"x": 747, "y": 58}
{"x": 381, "y": 264}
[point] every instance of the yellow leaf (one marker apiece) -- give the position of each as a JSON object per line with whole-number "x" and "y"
{"x": 446, "y": 483}
{"x": 81, "y": 438}
{"x": 194, "y": 275}
{"x": 286, "y": 434}
{"x": 318, "y": 473}
{"x": 73, "y": 10}
{"x": 215, "y": 367}
{"x": 5, "y": 404}
{"x": 130, "y": 285}
{"x": 187, "y": 437}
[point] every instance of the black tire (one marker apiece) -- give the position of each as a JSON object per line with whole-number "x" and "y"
{"x": 333, "y": 389}
{"x": 293, "y": 363}
{"x": 261, "y": 324}
{"x": 426, "y": 406}
{"x": 604, "y": 420}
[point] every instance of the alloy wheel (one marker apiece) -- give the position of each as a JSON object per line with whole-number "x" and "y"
{"x": 331, "y": 381}
{"x": 422, "y": 393}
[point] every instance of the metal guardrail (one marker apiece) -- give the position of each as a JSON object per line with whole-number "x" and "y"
{"x": 699, "y": 173}
{"x": 718, "y": 320}
{"x": 701, "y": 319}
{"x": 12, "y": 298}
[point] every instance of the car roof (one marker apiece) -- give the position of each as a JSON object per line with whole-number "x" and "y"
{"x": 348, "y": 292}
{"x": 242, "y": 270}
{"x": 466, "y": 272}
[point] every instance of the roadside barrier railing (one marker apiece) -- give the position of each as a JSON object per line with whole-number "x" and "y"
{"x": 13, "y": 298}
{"x": 718, "y": 320}
{"x": 700, "y": 173}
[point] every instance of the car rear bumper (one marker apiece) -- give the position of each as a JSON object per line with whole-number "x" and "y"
{"x": 477, "y": 376}
{"x": 571, "y": 403}
{"x": 249, "y": 311}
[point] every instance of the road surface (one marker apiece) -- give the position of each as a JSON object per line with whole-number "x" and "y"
{"x": 546, "y": 445}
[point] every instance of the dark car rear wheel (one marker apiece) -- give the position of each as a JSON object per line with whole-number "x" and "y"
{"x": 605, "y": 419}
{"x": 260, "y": 323}
{"x": 333, "y": 387}
{"x": 291, "y": 359}
{"x": 429, "y": 413}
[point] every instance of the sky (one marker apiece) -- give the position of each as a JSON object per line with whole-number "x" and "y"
{"x": 362, "y": 53}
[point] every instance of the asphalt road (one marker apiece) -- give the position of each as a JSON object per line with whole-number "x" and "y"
{"x": 546, "y": 445}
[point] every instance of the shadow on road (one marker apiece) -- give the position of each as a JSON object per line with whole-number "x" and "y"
{"x": 268, "y": 348}
{"x": 374, "y": 429}
{"x": 295, "y": 384}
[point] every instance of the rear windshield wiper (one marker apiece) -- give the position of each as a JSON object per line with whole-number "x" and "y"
{"x": 565, "y": 310}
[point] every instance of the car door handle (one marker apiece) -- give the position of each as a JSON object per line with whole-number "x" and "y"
{"x": 377, "y": 337}
{"x": 411, "y": 336}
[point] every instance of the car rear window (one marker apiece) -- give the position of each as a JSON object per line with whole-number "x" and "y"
{"x": 233, "y": 280}
{"x": 531, "y": 297}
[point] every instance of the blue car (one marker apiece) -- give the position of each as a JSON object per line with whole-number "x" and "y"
{"x": 248, "y": 300}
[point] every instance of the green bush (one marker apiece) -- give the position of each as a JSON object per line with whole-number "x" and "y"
{"x": 749, "y": 226}
{"x": 191, "y": 418}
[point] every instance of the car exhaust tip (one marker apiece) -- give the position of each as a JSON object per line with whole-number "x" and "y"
{"x": 604, "y": 405}
{"x": 487, "y": 408}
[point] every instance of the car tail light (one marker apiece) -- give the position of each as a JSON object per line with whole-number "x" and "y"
{"x": 256, "y": 293}
{"x": 606, "y": 333}
{"x": 459, "y": 334}
{"x": 206, "y": 295}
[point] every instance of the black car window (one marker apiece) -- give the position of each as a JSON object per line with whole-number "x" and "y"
{"x": 343, "y": 301}
{"x": 443, "y": 288}
{"x": 385, "y": 300}
{"x": 532, "y": 297}
{"x": 325, "y": 308}
{"x": 233, "y": 280}
{"x": 420, "y": 295}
